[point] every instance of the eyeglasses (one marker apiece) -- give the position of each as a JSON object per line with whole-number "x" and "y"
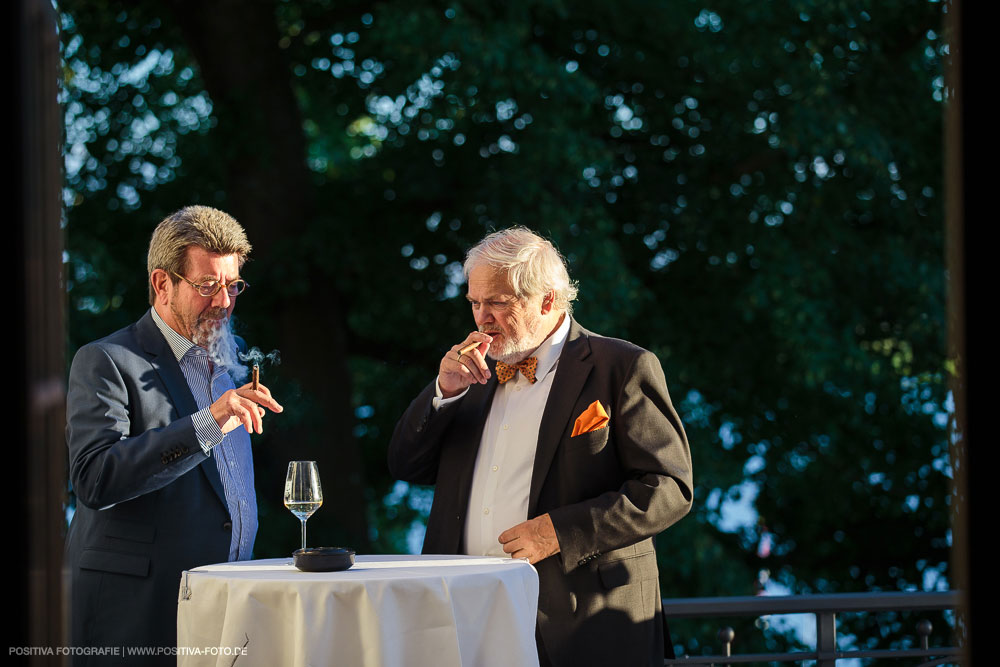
{"x": 212, "y": 287}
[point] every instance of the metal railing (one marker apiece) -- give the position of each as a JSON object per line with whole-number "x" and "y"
{"x": 825, "y": 608}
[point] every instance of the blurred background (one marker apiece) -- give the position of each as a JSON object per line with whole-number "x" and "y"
{"x": 753, "y": 191}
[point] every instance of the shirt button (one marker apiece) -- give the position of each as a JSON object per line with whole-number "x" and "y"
{"x": 518, "y": 388}
{"x": 506, "y": 427}
{"x": 495, "y": 468}
{"x": 486, "y": 511}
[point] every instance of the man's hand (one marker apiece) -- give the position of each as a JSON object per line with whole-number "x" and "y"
{"x": 457, "y": 371}
{"x": 535, "y": 539}
{"x": 242, "y": 406}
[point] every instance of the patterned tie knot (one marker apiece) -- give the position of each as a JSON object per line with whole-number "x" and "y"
{"x": 526, "y": 366}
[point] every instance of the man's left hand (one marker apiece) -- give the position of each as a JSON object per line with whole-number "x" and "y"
{"x": 535, "y": 539}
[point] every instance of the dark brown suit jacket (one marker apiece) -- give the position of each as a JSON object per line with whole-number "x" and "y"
{"x": 609, "y": 492}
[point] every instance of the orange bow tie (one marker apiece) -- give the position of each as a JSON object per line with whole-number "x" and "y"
{"x": 526, "y": 366}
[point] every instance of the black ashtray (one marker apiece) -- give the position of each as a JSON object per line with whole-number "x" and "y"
{"x": 323, "y": 559}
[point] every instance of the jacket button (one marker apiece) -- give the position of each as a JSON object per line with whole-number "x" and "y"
{"x": 227, "y": 525}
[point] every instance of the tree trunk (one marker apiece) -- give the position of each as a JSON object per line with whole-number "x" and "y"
{"x": 270, "y": 190}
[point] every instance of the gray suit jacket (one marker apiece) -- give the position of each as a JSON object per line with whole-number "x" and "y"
{"x": 609, "y": 492}
{"x": 149, "y": 501}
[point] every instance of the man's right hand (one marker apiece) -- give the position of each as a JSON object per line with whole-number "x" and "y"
{"x": 457, "y": 371}
{"x": 242, "y": 407}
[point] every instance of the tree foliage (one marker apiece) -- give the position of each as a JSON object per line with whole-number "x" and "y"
{"x": 751, "y": 190}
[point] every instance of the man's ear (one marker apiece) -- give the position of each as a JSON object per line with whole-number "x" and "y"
{"x": 548, "y": 301}
{"x": 160, "y": 280}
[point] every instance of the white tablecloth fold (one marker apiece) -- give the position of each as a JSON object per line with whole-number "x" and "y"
{"x": 386, "y": 610}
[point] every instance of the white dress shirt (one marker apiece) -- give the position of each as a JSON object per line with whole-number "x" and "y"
{"x": 501, "y": 480}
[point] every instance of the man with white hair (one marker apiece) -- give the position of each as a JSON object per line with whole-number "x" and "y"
{"x": 550, "y": 443}
{"x": 159, "y": 445}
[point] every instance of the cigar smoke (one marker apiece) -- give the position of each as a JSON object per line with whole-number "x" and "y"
{"x": 255, "y": 356}
{"x": 223, "y": 350}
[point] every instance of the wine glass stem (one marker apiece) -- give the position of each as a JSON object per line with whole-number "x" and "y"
{"x": 303, "y": 533}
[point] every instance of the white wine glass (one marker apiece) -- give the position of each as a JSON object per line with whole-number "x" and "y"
{"x": 303, "y": 493}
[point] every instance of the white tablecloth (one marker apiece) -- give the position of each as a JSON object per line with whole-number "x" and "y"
{"x": 386, "y": 610}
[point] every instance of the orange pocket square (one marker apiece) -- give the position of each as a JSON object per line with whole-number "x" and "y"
{"x": 592, "y": 419}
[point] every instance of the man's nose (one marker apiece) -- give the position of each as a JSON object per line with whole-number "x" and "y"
{"x": 222, "y": 298}
{"x": 483, "y": 316}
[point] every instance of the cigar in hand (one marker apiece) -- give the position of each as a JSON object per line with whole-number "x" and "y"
{"x": 255, "y": 376}
{"x": 469, "y": 348}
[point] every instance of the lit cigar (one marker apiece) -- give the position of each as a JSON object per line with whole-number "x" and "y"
{"x": 255, "y": 376}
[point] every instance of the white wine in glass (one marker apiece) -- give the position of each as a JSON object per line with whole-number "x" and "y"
{"x": 303, "y": 493}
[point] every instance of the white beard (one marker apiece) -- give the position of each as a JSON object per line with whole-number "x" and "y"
{"x": 514, "y": 350}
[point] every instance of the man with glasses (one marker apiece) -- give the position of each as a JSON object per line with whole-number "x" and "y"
{"x": 159, "y": 445}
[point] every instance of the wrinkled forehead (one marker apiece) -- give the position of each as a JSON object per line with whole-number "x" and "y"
{"x": 487, "y": 282}
{"x": 202, "y": 263}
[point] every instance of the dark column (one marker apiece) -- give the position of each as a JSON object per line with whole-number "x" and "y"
{"x": 34, "y": 454}
{"x": 956, "y": 161}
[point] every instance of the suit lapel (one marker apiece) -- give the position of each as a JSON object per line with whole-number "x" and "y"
{"x": 571, "y": 374}
{"x": 162, "y": 359}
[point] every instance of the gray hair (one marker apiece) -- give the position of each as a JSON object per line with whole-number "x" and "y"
{"x": 200, "y": 226}
{"x": 532, "y": 263}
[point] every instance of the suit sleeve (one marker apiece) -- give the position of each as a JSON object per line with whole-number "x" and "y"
{"x": 110, "y": 459}
{"x": 415, "y": 447}
{"x": 654, "y": 456}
